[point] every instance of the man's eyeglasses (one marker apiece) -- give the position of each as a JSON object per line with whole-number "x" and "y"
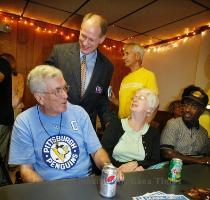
{"x": 58, "y": 91}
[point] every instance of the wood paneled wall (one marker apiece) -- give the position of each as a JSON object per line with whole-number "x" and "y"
{"x": 31, "y": 48}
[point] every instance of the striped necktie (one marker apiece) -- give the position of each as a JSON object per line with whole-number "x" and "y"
{"x": 83, "y": 74}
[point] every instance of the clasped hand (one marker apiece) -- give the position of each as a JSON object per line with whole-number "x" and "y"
{"x": 130, "y": 167}
{"x": 205, "y": 160}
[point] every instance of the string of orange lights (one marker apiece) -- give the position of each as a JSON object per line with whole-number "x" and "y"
{"x": 68, "y": 34}
{"x": 173, "y": 42}
{"x": 10, "y": 19}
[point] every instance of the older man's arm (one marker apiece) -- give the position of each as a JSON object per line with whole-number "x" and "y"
{"x": 28, "y": 174}
{"x": 100, "y": 158}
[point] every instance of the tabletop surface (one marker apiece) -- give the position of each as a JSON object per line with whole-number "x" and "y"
{"x": 135, "y": 184}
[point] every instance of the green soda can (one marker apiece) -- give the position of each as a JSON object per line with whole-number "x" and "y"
{"x": 175, "y": 170}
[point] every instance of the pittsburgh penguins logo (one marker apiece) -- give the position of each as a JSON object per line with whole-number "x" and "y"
{"x": 60, "y": 152}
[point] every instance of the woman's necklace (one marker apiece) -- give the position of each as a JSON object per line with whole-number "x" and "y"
{"x": 57, "y": 143}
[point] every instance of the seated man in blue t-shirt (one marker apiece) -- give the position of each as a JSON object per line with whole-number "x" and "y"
{"x": 53, "y": 140}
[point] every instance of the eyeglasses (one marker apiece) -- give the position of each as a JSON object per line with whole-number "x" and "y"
{"x": 58, "y": 91}
{"x": 141, "y": 97}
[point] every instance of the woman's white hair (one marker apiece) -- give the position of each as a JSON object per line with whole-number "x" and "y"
{"x": 151, "y": 97}
{"x": 38, "y": 75}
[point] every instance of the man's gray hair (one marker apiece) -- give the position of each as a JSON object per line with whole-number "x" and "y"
{"x": 137, "y": 48}
{"x": 38, "y": 75}
{"x": 151, "y": 97}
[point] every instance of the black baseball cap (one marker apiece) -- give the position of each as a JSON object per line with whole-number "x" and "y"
{"x": 195, "y": 94}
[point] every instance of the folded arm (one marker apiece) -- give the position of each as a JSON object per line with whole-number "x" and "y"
{"x": 170, "y": 153}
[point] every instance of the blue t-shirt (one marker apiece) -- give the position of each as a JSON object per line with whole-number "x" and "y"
{"x": 54, "y": 153}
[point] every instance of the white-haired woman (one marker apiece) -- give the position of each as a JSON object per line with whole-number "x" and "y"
{"x": 132, "y": 143}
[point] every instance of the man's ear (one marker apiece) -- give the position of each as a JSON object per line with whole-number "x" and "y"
{"x": 1, "y": 77}
{"x": 138, "y": 57}
{"x": 39, "y": 98}
{"x": 149, "y": 112}
{"x": 201, "y": 111}
{"x": 102, "y": 39}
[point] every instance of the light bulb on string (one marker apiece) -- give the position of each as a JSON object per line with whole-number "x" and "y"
{"x": 203, "y": 33}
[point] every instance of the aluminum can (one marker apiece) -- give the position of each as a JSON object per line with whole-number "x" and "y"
{"x": 108, "y": 182}
{"x": 175, "y": 170}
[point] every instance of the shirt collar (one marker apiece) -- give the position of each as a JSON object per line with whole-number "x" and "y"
{"x": 128, "y": 129}
{"x": 89, "y": 56}
{"x": 191, "y": 125}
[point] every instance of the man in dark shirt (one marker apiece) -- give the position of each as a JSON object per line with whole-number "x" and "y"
{"x": 184, "y": 137}
{"x": 6, "y": 110}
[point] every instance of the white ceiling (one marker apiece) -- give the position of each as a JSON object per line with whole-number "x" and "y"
{"x": 146, "y": 21}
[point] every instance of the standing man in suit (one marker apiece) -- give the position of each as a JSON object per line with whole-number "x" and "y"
{"x": 89, "y": 92}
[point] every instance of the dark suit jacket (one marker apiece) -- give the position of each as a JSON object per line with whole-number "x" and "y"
{"x": 95, "y": 100}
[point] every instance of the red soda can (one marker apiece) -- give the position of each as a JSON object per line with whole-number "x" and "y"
{"x": 108, "y": 182}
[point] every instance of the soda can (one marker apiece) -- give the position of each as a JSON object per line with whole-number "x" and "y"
{"x": 109, "y": 91}
{"x": 108, "y": 182}
{"x": 175, "y": 169}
